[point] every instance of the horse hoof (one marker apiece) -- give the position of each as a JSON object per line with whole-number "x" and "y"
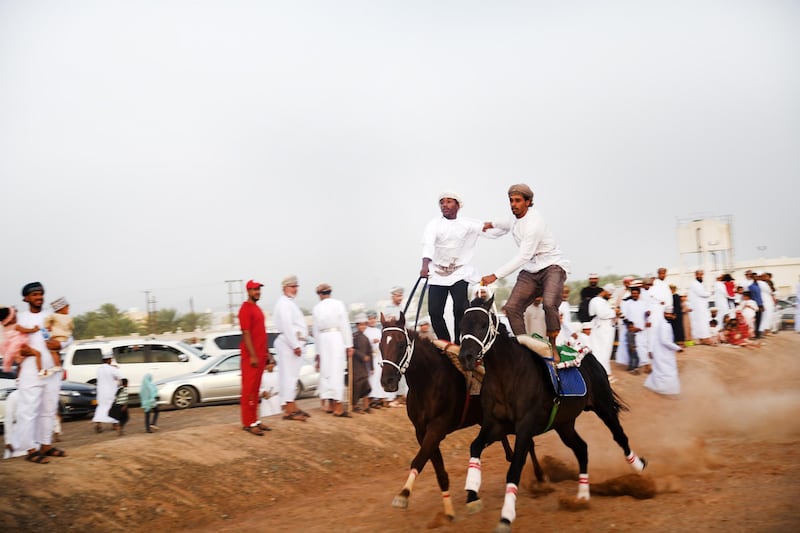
{"x": 474, "y": 507}
{"x": 502, "y": 527}
{"x": 400, "y": 502}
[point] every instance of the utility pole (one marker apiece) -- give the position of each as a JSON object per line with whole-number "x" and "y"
{"x": 150, "y": 306}
{"x": 232, "y": 303}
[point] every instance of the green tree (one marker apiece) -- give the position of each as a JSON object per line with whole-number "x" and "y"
{"x": 107, "y": 321}
{"x": 165, "y": 320}
{"x": 195, "y": 321}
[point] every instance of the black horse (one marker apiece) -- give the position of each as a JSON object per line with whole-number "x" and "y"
{"x": 437, "y": 403}
{"x": 518, "y": 398}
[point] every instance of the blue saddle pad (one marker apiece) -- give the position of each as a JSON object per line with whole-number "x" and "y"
{"x": 572, "y": 383}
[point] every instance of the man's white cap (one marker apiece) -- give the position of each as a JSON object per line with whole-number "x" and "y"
{"x": 452, "y": 194}
{"x": 609, "y": 287}
{"x": 593, "y": 275}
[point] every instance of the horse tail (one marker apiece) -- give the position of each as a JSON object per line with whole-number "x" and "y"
{"x": 602, "y": 393}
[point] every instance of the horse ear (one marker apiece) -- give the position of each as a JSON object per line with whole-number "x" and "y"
{"x": 383, "y": 319}
{"x": 402, "y": 320}
{"x": 489, "y": 303}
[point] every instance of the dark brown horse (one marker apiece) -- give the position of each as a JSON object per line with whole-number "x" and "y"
{"x": 518, "y": 398}
{"x": 437, "y": 402}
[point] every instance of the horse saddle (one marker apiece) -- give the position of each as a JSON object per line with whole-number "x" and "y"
{"x": 474, "y": 378}
{"x": 566, "y": 381}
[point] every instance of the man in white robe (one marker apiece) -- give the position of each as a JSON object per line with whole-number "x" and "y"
{"x": 619, "y": 296}
{"x": 108, "y": 377}
{"x": 534, "y": 318}
{"x": 660, "y": 292}
{"x": 603, "y": 316}
{"x": 289, "y": 346}
{"x": 635, "y": 310}
{"x": 392, "y": 312}
{"x": 664, "y": 377}
{"x": 721, "y": 296}
{"x": 797, "y": 306}
{"x": 334, "y": 339}
{"x": 565, "y": 313}
{"x": 37, "y": 404}
{"x": 700, "y": 315}
{"x": 768, "y": 301}
{"x": 373, "y": 333}
{"x": 448, "y": 247}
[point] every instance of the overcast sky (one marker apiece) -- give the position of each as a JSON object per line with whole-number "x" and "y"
{"x": 173, "y": 145}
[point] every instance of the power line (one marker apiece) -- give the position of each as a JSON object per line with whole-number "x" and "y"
{"x": 232, "y": 303}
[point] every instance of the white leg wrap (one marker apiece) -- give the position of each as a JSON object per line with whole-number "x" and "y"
{"x": 509, "y": 511}
{"x": 412, "y": 475}
{"x": 473, "y": 475}
{"x": 635, "y": 462}
{"x": 583, "y": 487}
{"x": 448, "y": 504}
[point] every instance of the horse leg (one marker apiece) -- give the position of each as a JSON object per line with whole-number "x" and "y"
{"x": 429, "y": 441}
{"x": 444, "y": 483}
{"x": 522, "y": 446}
{"x": 473, "y": 482}
{"x": 537, "y": 468}
{"x": 578, "y": 446}
{"x": 611, "y": 419}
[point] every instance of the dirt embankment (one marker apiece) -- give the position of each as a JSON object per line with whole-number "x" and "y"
{"x": 723, "y": 456}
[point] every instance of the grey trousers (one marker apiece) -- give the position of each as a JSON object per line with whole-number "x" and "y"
{"x": 547, "y": 283}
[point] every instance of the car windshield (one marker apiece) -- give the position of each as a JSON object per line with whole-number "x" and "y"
{"x": 190, "y": 348}
{"x": 211, "y": 362}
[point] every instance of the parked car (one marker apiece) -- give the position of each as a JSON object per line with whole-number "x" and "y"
{"x": 220, "y": 380}
{"x": 75, "y": 400}
{"x": 220, "y": 343}
{"x": 7, "y": 384}
{"x": 135, "y": 358}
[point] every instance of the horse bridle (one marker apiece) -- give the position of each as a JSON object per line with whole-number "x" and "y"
{"x": 491, "y": 332}
{"x": 406, "y": 359}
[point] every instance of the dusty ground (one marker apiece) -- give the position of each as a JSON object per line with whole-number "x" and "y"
{"x": 724, "y": 457}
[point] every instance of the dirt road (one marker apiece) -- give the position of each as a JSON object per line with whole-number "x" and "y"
{"x": 724, "y": 457}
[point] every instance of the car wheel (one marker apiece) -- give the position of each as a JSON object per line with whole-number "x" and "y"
{"x": 184, "y": 397}
{"x": 298, "y": 389}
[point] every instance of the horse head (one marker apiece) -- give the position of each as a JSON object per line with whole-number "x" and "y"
{"x": 478, "y": 331}
{"x": 396, "y": 349}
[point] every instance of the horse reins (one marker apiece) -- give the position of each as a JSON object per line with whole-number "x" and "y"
{"x": 421, "y": 298}
{"x": 491, "y": 332}
{"x": 406, "y": 359}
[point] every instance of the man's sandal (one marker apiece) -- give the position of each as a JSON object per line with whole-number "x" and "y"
{"x": 254, "y": 430}
{"x": 296, "y": 415}
{"x": 54, "y": 452}
{"x": 38, "y": 458}
{"x": 263, "y": 427}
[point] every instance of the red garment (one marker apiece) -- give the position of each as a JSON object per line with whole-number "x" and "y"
{"x": 251, "y": 319}
{"x": 730, "y": 288}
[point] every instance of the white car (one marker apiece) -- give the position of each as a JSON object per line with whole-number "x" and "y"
{"x": 6, "y": 386}
{"x": 221, "y": 343}
{"x": 135, "y": 358}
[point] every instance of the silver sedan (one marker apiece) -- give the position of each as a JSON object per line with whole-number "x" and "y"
{"x": 219, "y": 380}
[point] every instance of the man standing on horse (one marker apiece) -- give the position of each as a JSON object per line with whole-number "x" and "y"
{"x": 448, "y": 246}
{"x": 544, "y": 270}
